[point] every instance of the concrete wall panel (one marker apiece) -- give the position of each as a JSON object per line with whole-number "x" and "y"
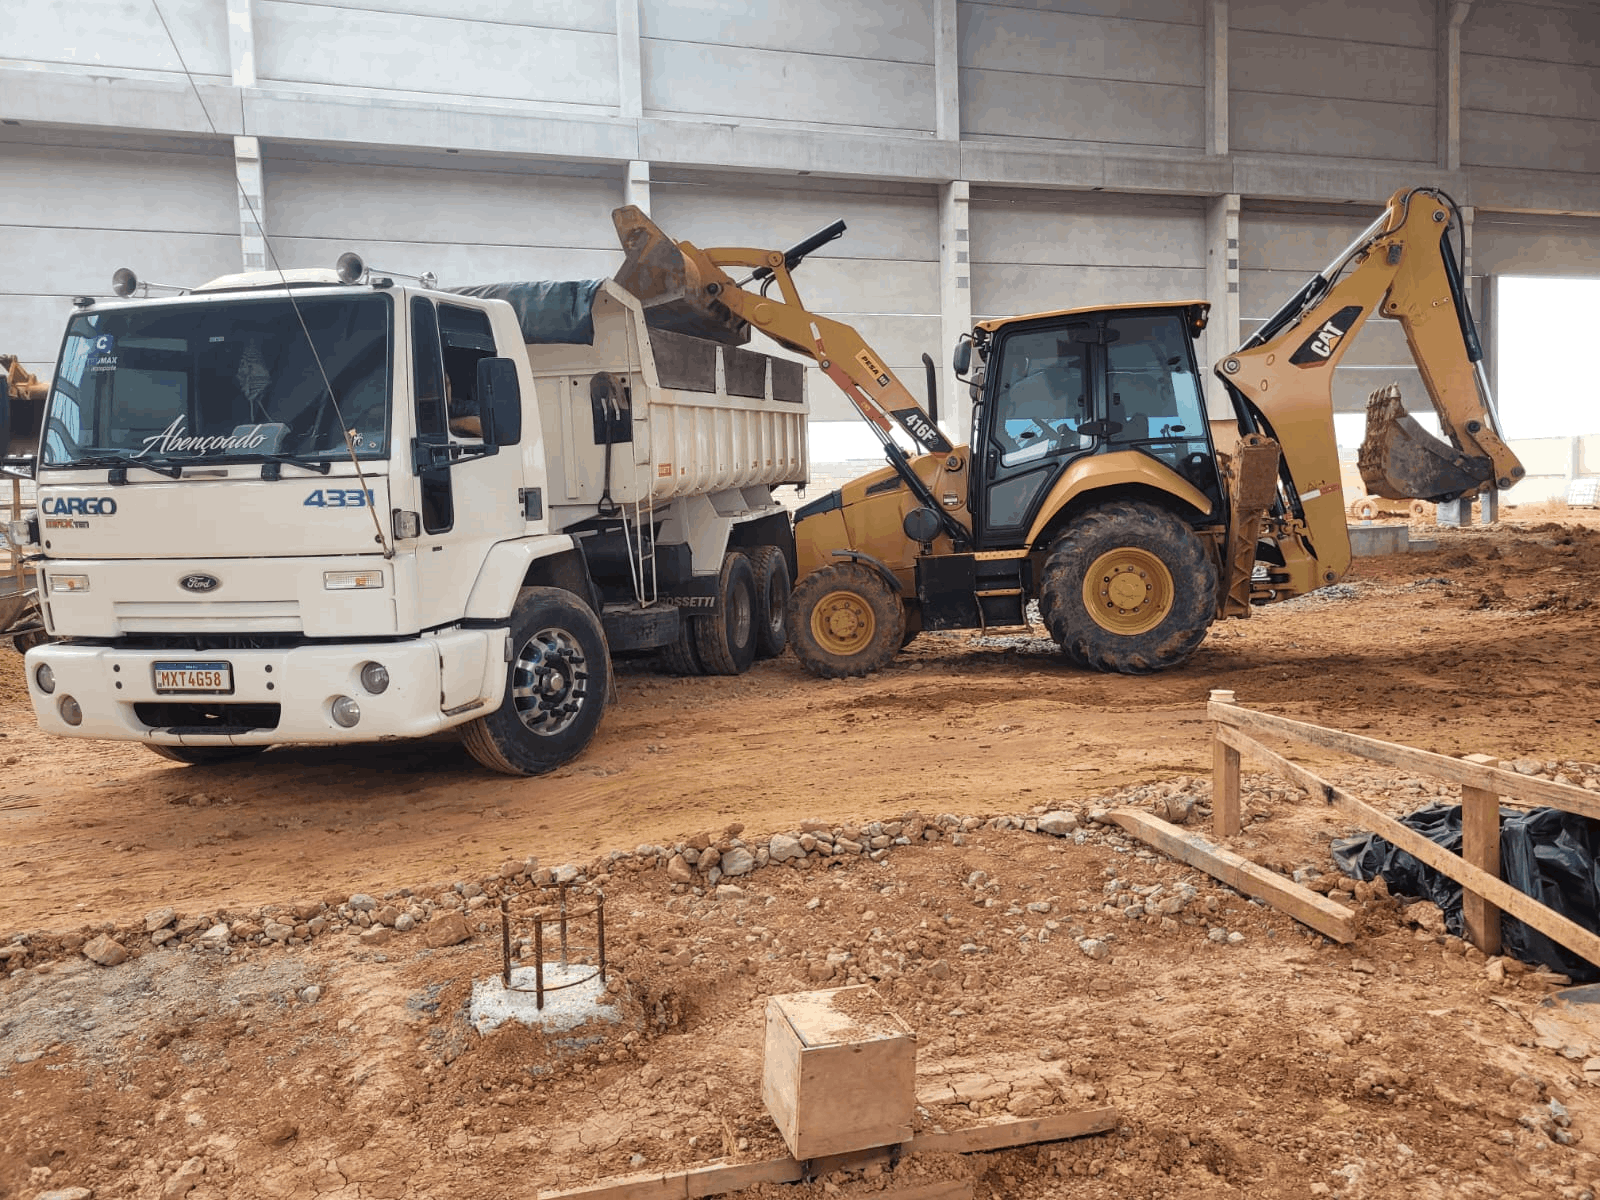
{"x": 124, "y": 34}
{"x": 1511, "y": 85}
{"x": 1050, "y": 43}
{"x": 597, "y": 16}
{"x": 1311, "y": 125}
{"x": 1513, "y": 244}
{"x": 1003, "y": 104}
{"x": 1397, "y": 23}
{"x": 360, "y": 48}
{"x": 33, "y": 328}
{"x": 1530, "y": 143}
{"x": 881, "y": 30}
{"x": 1544, "y": 33}
{"x": 687, "y": 78}
{"x": 1284, "y": 65}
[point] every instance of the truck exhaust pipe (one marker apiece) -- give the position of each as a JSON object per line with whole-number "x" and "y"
{"x": 1401, "y": 460}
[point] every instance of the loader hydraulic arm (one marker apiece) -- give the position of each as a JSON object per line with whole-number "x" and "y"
{"x": 1402, "y": 267}
{"x": 660, "y": 271}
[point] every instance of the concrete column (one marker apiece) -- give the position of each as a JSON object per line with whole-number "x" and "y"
{"x": 252, "y": 203}
{"x": 630, "y": 68}
{"x": 242, "y": 43}
{"x": 1222, "y": 290}
{"x": 946, "y": 71}
{"x": 1451, "y": 15}
{"x": 1216, "y": 71}
{"x": 636, "y": 186}
{"x": 955, "y": 307}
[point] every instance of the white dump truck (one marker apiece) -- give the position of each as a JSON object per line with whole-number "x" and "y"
{"x": 315, "y": 507}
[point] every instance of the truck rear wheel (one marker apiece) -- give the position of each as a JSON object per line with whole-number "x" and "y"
{"x": 1128, "y": 587}
{"x": 556, "y": 685}
{"x": 726, "y": 639}
{"x": 204, "y": 756}
{"x": 772, "y": 600}
{"x": 844, "y": 620}
{"x": 679, "y": 657}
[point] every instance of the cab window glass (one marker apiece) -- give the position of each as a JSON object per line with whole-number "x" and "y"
{"x": 467, "y": 338}
{"x": 1043, "y": 396}
{"x": 1152, "y": 391}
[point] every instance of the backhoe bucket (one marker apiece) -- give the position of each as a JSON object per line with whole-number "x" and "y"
{"x": 667, "y": 284}
{"x": 1401, "y": 460}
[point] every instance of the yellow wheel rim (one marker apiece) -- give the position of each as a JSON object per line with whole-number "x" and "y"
{"x": 842, "y": 623}
{"x": 1128, "y": 591}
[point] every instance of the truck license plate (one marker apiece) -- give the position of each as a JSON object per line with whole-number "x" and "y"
{"x": 205, "y": 677}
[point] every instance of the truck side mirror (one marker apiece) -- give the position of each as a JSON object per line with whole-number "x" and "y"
{"x": 499, "y": 401}
{"x": 962, "y": 360}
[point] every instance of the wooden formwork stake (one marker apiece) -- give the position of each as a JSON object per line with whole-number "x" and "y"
{"x": 1480, "y": 846}
{"x": 1224, "y": 777}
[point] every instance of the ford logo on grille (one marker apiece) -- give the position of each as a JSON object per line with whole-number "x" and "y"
{"x": 199, "y": 583}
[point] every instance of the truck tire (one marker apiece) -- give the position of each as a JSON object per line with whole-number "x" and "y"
{"x": 772, "y": 601}
{"x": 679, "y": 657}
{"x": 1128, "y": 587}
{"x": 556, "y": 685}
{"x": 204, "y": 756}
{"x": 844, "y": 621}
{"x": 726, "y": 639}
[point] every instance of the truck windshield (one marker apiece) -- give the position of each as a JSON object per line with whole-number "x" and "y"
{"x": 236, "y": 379}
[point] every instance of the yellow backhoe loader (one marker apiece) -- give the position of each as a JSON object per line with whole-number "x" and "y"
{"x": 1091, "y": 483}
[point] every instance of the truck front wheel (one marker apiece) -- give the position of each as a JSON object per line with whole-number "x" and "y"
{"x": 844, "y": 620}
{"x": 556, "y": 685}
{"x": 1128, "y": 587}
{"x": 204, "y": 756}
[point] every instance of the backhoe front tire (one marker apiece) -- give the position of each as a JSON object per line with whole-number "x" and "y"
{"x": 204, "y": 756}
{"x": 556, "y": 686}
{"x": 1128, "y": 587}
{"x": 773, "y": 585}
{"x": 845, "y": 621}
{"x": 726, "y": 639}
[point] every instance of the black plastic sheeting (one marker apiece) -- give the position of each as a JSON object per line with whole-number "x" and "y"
{"x": 549, "y": 311}
{"x": 1544, "y": 853}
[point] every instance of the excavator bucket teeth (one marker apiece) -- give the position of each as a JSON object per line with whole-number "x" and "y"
{"x": 668, "y": 285}
{"x": 1401, "y": 460}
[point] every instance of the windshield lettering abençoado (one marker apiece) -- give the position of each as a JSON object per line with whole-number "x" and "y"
{"x": 232, "y": 379}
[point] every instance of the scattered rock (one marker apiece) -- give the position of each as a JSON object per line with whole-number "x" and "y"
{"x": 184, "y": 1180}
{"x": 678, "y": 869}
{"x": 361, "y": 902}
{"x": 310, "y": 994}
{"x": 448, "y": 929}
{"x": 106, "y": 951}
{"x": 279, "y": 1133}
{"x": 70, "y": 1193}
{"x": 729, "y": 891}
{"x": 1059, "y": 823}
{"x": 783, "y": 847}
{"x": 405, "y": 923}
{"x": 278, "y": 932}
{"x": 1094, "y": 948}
{"x": 377, "y": 935}
{"x": 158, "y": 918}
{"x": 217, "y": 935}
{"x": 738, "y": 861}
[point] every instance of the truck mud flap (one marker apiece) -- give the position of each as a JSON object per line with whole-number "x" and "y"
{"x": 1401, "y": 460}
{"x": 629, "y": 628}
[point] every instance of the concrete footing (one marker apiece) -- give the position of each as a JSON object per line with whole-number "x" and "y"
{"x": 493, "y": 1004}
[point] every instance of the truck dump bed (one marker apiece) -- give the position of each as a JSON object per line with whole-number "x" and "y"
{"x": 645, "y": 415}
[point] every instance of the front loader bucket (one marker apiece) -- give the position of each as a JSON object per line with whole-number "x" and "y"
{"x": 25, "y": 393}
{"x": 1401, "y": 460}
{"x": 668, "y": 285}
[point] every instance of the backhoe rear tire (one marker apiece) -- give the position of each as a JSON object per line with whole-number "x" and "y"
{"x": 204, "y": 756}
{"x": 556, "y": 686}
{"x": 845, "y": 621}
{"x": 772, "y": 600}
{"x": 1128, "y": 587}
{"x": 726, "y": 639}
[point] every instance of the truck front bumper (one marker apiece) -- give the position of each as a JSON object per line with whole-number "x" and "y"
{"x": 278, "y": 695}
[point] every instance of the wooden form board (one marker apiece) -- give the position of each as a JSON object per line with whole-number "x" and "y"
{"x": 1287, "y": 896}
{"x": 1473, "y": 878}
{"x": 716, "y": 1178}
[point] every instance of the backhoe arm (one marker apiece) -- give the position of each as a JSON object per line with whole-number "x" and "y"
{"x": 1281, "y": 381}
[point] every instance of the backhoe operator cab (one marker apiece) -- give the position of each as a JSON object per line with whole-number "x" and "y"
{"x": 1091, "y": 486}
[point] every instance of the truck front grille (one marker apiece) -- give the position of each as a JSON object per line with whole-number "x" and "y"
{"x": 207, "y": 716}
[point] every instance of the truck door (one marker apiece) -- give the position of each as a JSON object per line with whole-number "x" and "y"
{"x": 469, "y": 506}
{"x": 1044, "y": 392}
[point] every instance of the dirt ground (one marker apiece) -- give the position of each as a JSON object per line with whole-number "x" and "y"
{"x": 1273, "y": 1063}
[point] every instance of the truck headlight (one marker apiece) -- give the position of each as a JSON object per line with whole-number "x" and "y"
{"x": 45, "y": 678}
{"x": 346, "y": 712}
{"x": 347, "y": 581}
{"x": 69, "y": 583}
{"x": 71, "y": 711}
{"x": 375, "y": 678}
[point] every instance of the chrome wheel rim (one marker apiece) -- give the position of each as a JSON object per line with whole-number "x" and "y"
{"x": 549, "y": 682}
